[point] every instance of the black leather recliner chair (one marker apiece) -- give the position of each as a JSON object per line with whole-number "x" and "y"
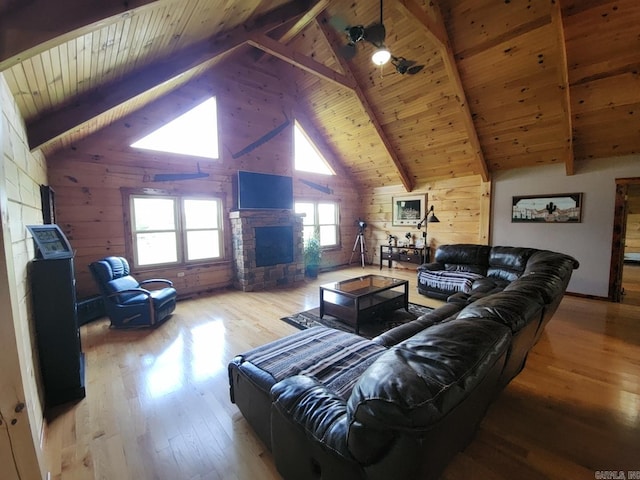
{"x": 127, "y": 302}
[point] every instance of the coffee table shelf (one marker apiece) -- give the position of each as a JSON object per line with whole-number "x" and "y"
{"x": 359, "y": 299}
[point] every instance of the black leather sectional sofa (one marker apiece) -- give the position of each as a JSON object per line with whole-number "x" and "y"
{"x": 333, "y": 405}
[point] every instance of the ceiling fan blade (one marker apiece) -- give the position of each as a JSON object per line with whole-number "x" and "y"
{"x": 348, "y": 51}
{"x": 414, "y": 69}
{"x": 375, "y": 34}
{"x": 339, "y": 23}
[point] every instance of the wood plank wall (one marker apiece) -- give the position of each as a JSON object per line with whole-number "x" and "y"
{"x": 632, "y": 236}
{"x": 88, "y": 177}
{"x": 463, "y": 206}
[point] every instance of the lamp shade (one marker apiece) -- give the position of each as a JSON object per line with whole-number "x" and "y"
{"x": 381, "y": 56}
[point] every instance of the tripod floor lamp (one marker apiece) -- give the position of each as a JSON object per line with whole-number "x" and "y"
{"x": 430, "y": 217}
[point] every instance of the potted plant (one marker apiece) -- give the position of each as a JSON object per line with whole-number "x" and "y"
{"x": 312, "y": 256}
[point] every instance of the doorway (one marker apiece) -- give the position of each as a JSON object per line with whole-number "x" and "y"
{"x": 624, "y": 285}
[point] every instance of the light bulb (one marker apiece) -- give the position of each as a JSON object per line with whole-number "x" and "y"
{"x": 381, "y": 56}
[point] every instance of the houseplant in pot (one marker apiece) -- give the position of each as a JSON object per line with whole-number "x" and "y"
{"x": 312, "y": 256}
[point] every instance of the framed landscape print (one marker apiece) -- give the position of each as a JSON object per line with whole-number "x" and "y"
{"x": 560, "y": 208}
{"x": 408, "y": 210}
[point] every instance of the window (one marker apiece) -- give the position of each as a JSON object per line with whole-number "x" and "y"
{"x": 306, "y": 155}
{"x": 175, "y": 230}
{"x": 192, "y": 133}
{"x": 320, "y": 219}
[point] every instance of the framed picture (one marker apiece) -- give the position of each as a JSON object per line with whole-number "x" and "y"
{"x": 408, "y": 210}
{"x": 560, "y": 208}
{"x": 48, "y": 201}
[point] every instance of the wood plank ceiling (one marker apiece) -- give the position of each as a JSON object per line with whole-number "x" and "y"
{"x": 505, "y": 84}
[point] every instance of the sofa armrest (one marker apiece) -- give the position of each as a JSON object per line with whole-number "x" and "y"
{"x": 309, "y": 431}
{"x": 431, "y": 266}
{"x": 321, "y": 413}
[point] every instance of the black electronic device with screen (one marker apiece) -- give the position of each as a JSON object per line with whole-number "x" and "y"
{"x": 50, "y": 242}
{"x": 264, "y": 191}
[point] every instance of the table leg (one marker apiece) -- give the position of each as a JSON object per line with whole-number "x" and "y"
{"x": 321, "y": 302}
{"x": 406, "y": 296}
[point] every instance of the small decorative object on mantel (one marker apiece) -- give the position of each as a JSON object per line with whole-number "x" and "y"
{"x": 560, "y": 208}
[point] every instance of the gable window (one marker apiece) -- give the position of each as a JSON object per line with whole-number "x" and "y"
{"x": 192, "y": 133}
{"x": 321, "y": 219}
{"x": 170, "y": 229}
{"x": 307, "y": 157}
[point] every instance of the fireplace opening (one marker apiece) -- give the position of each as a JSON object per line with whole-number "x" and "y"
{"x": 274, "y": 245}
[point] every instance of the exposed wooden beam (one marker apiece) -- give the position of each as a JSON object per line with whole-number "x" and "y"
{"x": 433, "y": 25}
{"x": 307, "y": 64}
{"x": 316, "y": 9}
{"x": 106, "y": 98}
{"x": 434, "y": 29}
{"x": 329, "y": 34}
{"x": 563, "y": 84}
{"x": 33, "y": 27}
{"x": 285, "y": 33}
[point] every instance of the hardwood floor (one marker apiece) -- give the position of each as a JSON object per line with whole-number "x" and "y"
{"x": 157, "y": 404}
{"x": 631, "y": 284}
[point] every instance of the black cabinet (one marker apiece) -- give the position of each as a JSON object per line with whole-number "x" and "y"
{"x": 53, "y": 293}
{"x": 417, "y": 255}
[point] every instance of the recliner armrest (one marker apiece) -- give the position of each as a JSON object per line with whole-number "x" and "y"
{"x": 130, "y": 290}
{"x": 157, "y": 280}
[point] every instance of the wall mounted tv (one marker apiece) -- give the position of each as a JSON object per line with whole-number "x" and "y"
{"x": 264, "y": 191}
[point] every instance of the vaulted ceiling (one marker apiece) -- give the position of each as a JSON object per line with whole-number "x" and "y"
{"x": 504, "y": 83}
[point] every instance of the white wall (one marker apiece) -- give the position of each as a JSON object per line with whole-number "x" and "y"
{"x": 589, "y": 241}
{"x": 21, "y": 174}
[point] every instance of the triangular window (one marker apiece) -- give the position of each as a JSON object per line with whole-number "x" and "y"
{"x": 192, "y": 133}
{"x": 307, "y": 157}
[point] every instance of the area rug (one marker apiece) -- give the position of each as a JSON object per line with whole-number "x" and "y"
{"x": 369, "y": 329}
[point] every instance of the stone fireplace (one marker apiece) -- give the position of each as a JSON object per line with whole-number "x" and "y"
{"x": 267, "y": 249}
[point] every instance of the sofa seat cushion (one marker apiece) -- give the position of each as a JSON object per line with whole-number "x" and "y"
{"x": 447, "y": 280}
{"x": 333, "y": 357}
{"x": 416, "y": 383}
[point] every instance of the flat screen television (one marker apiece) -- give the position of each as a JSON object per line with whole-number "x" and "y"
{"x": 264, "y": 191}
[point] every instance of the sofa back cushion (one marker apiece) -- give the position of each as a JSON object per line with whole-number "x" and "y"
{"x": 508, "y": 263}
{"x": 513, "y": 309}
{"x": 416, "y": 383}
{"x": 464, "y": 257}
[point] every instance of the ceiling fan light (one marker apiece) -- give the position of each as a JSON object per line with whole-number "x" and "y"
{"x": 381, "y": 56}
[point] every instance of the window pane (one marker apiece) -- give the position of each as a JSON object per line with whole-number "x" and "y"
{"x": 326, "y": 213}
{"x": 203, "y": 244}
{"x": 328, "y": 235}
{"x": 308, "y": 232}
{"x": 306, "y": 208}
{"x": 153, "y": 214}
{"x": 200, "y": 213}
{"x": 156, "y": 248}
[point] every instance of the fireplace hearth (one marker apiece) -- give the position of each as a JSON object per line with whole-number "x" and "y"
{"x": 267, "y": 249}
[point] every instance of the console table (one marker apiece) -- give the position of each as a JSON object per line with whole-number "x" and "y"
{"x": 417, "y": 255}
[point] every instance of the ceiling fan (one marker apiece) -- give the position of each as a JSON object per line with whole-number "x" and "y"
{"x": 375, "y": 35}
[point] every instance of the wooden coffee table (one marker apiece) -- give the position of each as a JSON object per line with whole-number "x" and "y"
{"x": 359, "y": 299}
